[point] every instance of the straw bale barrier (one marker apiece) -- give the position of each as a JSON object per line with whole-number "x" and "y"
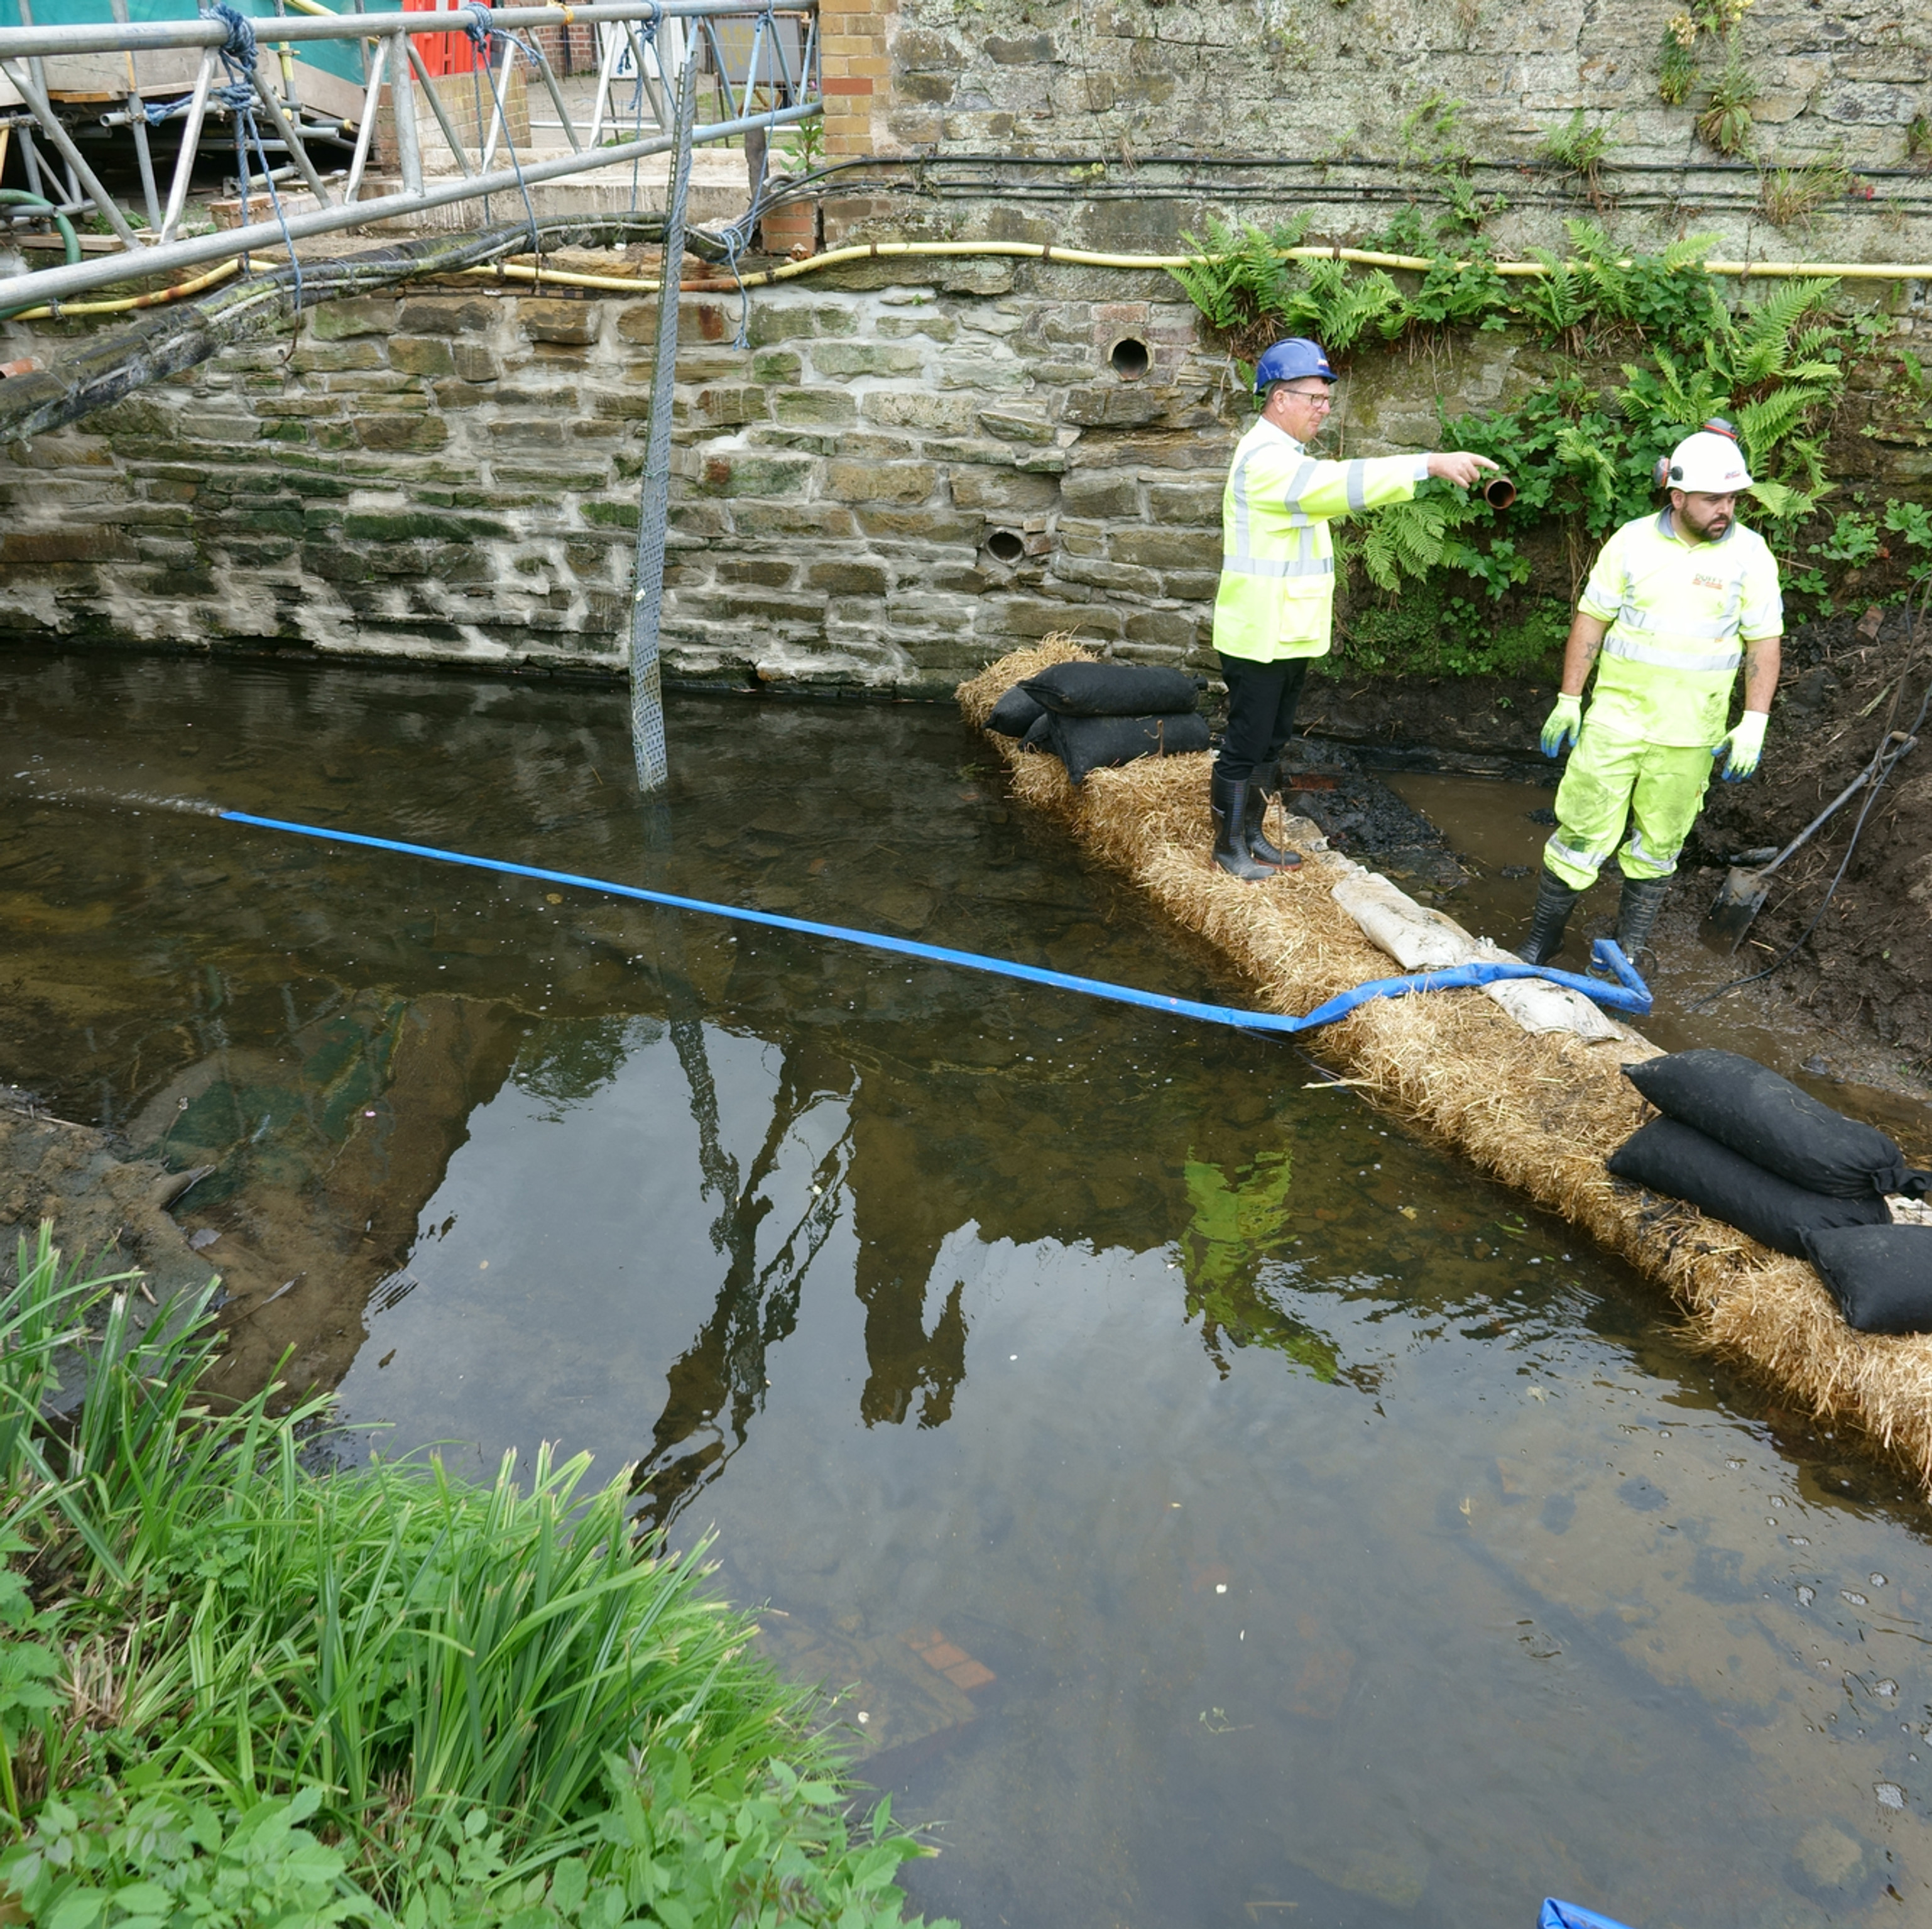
{"x": 1540, "y": 1113}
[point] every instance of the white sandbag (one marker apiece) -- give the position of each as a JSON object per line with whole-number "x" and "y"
{"x": 1417, "y": 938}
{"x": 1538, "y": 1005}
{"x": 1421, "y": 939}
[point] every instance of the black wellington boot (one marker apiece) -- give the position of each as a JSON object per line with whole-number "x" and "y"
{"x": 1259, "y": 848}
{"x": 1554, "y": 901}
{"x": 1228, "y": 798}
{"x": 1636, "y": 911}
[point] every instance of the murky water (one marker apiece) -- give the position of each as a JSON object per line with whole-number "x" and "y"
{"x": 1218, "y": 1508}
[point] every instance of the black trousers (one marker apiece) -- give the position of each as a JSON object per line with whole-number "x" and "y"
{"x": 1261, "y": 698}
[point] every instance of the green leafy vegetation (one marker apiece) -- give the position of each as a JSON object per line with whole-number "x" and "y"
{"x": 1429, "y": 631}
{"x": 804, "y": 147}
{"x": 1912, "y": 522}
{"x": 236, "y": 1691}
{"x": 1724, "y": 122}
{"x": 1677, "y": 62}
{"x": 1633, "y": 354}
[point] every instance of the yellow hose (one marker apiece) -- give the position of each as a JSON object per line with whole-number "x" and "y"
{"x": 1074, "y": 257}
{"x": 627, "y": 284}
{"x": 158, "y": 297}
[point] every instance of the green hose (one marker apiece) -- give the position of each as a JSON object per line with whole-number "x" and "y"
{"x": 19, "y": 197}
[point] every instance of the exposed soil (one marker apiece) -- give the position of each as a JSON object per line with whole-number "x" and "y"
{"x": 1868, "y": 964}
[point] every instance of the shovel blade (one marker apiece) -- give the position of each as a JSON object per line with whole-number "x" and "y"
{"x": 1739, "y": 899}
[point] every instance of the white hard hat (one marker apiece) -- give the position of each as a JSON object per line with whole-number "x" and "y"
{"x": 1708, "y": 463}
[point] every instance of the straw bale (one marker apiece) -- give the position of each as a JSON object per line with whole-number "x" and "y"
{"x": 1539, "y": 1112}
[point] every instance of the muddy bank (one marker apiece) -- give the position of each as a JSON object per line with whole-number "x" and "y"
{"x": 113, "y": 1210}
{"x": 1474, "y": 726}
{"x": 1868, "y": 964}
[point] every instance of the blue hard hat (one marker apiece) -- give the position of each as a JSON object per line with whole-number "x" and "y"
{"x": 1289, "y": 361}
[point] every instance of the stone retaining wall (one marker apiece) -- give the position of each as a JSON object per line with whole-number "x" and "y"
{"x": 888, "y": 485}
{"x": 1343, "y": 92}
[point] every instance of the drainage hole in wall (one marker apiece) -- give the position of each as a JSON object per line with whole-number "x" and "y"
{"x": 1130, "y": 358}
{"x": 1006, "y": 546}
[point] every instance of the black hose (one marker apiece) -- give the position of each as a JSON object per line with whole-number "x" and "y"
{"x": 105, "y": 367}
{"x": 1885, "y": 770}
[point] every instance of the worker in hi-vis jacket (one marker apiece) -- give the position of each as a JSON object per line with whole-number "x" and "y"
{"x": 1675, "y": 602}
{"x": 1274, "y": 610}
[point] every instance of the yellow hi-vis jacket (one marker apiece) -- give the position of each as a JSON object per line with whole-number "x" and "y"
{"x": 1276, "y": 597}
{"x": 1677, "y": 610}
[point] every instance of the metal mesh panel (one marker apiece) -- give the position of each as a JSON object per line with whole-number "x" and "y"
{"x": 647, "y": 722}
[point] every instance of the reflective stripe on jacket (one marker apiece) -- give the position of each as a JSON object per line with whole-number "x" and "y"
{"x": 1678, "y": 614}
{"x": 1276, "y": 597}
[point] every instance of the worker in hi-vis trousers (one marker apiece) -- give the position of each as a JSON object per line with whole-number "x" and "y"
{"x": 1674, "y": 603}
{"x": 1274, "y": 611}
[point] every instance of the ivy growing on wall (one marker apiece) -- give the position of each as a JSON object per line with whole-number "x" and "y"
{"x": 1638, "y": 352}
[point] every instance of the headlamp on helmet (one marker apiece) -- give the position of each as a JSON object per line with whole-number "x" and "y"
{"x": 1708, "y": 463}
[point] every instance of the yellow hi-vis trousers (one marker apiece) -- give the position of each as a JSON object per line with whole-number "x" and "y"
{"x": 1612, "y": 779}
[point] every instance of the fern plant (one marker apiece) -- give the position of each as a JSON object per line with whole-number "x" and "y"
{"x": 1337, "y": 305}
{"x": 1238, "y": 275}
{"x": 1559, "y": 301}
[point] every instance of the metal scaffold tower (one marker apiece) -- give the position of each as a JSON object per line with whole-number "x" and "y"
{"x": 309, "y": 106}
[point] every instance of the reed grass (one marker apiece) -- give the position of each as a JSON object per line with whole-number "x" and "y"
{"x": 237, "y": 1687}
{"x": 1540, "y": 1113}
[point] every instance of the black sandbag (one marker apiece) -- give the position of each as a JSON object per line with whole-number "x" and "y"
{"x": 1748, "y": 1107}
{"x": 1039, "y": 732}
{"x": 1881, "y": 1275}
{"x": 1016, "y": 712}
{"x": 1096, "y": 743}
{"x": 1113, "y": 690}
{"x": 1680, "y": 1161}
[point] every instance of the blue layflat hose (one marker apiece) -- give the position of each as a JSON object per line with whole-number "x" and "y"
{"x": 1631, "y": 994}
{"x": 1555, "y": 1914}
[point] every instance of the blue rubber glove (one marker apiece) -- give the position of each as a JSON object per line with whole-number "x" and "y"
{"x": 1563, "y": 726}
{"x": 1744, "y": 746}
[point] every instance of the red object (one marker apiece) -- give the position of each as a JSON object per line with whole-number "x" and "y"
{"x": 451, "y": 53}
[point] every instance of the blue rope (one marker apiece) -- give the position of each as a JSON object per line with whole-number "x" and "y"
{"x": 237, "y": 93}
{"x": 483, "y": 35}
{"x": 1631, "y": 994}
{"x": 647, "y": 38}
{"x": 738, "y": 236}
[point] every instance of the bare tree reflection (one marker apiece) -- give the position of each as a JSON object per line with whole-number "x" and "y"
{"x": 718, "y": 1382}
